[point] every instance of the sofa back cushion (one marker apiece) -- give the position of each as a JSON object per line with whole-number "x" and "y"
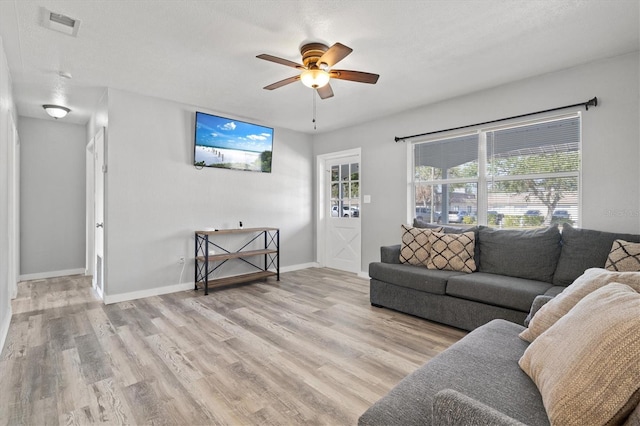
{"x": 531, "y": 254}
{"x": 583, "y": 249}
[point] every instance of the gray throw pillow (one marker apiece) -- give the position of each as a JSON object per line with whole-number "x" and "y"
{"x": 531, "y": 254}
{"x": 583, "y": 249}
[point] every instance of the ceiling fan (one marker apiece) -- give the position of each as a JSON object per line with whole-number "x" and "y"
{"x": 316, "y": 71}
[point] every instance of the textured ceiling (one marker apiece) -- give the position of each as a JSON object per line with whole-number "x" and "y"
{"x": 203, "y": 52}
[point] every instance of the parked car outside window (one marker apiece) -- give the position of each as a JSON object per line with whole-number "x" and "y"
{"x": 424, "y": 213}
{"x": 346, "y": 211}
{"x": 455, "y": 217}
{"x": 561, "y": 214}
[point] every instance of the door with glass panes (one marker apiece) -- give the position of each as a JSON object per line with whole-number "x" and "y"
{"x": 343, "y": 224}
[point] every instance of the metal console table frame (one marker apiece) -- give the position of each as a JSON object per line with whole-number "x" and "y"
{"x": 203, "y": 260}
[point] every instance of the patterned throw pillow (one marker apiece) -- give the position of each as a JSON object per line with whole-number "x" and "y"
{"x": 624, "y": 257}
{"x": 452, "y": 252}
{"x": 415, "y": 248}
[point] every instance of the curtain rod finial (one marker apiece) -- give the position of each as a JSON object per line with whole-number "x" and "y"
{"x": 591, "y": 102}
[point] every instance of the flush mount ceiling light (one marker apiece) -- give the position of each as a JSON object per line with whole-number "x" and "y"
{"x": 56, "y": 111}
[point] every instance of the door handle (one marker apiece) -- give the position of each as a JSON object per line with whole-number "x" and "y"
{"x": 100, "y": 225}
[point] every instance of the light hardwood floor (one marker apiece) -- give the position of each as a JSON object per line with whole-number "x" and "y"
{"x": 306, "y": 350}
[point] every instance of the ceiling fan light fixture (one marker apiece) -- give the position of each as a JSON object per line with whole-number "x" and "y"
{"x": 314, "y": 78}
{"x": 56, "y": 111}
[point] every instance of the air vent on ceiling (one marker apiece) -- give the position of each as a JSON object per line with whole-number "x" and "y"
{"x": 59, "y": 22}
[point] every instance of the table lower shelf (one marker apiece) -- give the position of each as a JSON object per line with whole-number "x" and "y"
{"x": 237, "y": 279}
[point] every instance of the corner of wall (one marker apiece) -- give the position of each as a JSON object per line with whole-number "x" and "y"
{"x": 5, "y": 321}
{"x": 7, "y": 110}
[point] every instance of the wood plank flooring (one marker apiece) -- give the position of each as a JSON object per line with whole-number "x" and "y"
{"x": 306, "y": 350}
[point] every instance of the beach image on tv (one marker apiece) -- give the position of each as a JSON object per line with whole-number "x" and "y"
{"x": 232, "y": 144}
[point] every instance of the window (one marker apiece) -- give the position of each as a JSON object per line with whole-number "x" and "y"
{"x": 524, "y": 175}
{"x": 345, "y": 190}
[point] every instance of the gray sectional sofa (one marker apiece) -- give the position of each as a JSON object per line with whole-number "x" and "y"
{"x": 477, "y": 381}
{"x": 513, "y": 267}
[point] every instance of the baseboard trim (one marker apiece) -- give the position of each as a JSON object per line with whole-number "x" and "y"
{"x": 299, "y": 267}
{"x": 4, "y": 327}
{"x": 123, "y": 297}
{"x": 364, "y": 275}
{"x": 51, "y": 274}
{"x": 98, "y": 291}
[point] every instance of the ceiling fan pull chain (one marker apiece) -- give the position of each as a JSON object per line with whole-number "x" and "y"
{"x": 313, "y": 93}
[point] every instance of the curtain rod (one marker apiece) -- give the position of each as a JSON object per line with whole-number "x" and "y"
{"x": 587, "y": 104}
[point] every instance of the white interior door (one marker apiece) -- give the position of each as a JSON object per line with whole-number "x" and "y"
{"x": 99, "y": 172}
{"x": 342, "y": 208}
{"x": 90, "y": 223}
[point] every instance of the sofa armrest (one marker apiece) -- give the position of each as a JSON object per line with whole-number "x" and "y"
{"x": 390, "y": 254}
{"x": 538, "y": 303}
{"x": 454, "y": 408}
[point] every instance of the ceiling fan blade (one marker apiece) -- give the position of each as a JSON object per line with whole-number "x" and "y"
{"x": 325, "y": 91}
{"x": 282, "y": 82}
{"x": 359, "y": 76}
{"x": 335, "y": 54}
{"x": 281, "y": 61}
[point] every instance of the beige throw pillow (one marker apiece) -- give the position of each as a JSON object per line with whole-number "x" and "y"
{"x": 591, "y": 280}
{"x": 452, "y": 252}
{"x": 587, "y": 365}
{"x": 416, "y": 248}
{"x": 624, "y": 257}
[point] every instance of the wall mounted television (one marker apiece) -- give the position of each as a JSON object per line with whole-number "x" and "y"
{"x": 232, "y": 144}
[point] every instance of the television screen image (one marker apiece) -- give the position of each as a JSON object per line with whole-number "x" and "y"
{"x": 232, "y": 144}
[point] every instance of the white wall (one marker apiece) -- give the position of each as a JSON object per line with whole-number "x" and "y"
{"x": 7, "y": 116}
{"x": 611, "y": 148}
{"x": 52, "y": 200}
{"x": 156, "y": 199}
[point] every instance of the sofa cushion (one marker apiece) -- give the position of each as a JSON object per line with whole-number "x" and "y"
{"x": 586, "y": 365}
{"x": 416, "y": 246}
{"x": 583, "y": 249}
{"x": 497, "y": 290}
{"x": 531, "y": 254}
{"x": 483, "y": 366}
{"x": 624, "y": 256}
{"x": 590, "y": 281}
{"x": 452, "y": 252}
{"x": 415, "y": 277}
{"x": 448, "y": 229}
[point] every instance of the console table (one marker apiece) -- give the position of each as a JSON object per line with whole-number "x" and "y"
{"x": 206, "y": 263}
